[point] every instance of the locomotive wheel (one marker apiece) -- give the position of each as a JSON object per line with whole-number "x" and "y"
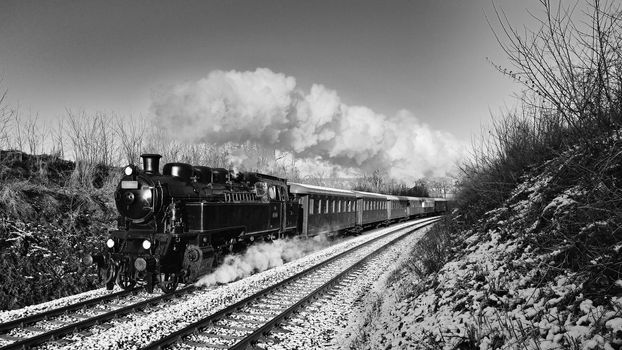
{"x": 168, "y": 282}
{"x": 107, "y": 275}
{"x": 125, "y": 279}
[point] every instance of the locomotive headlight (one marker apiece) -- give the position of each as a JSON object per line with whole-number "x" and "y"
{"x": 146, "y": 244}
{"x": 110, "y": 243}
{"x": 129, "y": 170}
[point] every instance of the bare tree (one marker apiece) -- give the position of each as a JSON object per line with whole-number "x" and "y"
{"x": 573, "y": 61}
{"x": 131, "y": 133}
{"x": 5, "y": 121}
{"x": 92, "y": 144}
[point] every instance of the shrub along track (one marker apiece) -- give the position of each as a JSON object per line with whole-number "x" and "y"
{"x": 243, "y": 323}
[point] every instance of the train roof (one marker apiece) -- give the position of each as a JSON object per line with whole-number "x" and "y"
{"x": 415, "y": 198}
{"x": 361, "y": 194}
{"x": 311, "y": 189}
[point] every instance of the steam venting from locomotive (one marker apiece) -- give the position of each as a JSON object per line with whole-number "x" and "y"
{"x": 268, "y": 108}
{"x": 261, "y": 257}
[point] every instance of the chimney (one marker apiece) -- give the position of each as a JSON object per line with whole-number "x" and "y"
{"x": 151, "y": 163}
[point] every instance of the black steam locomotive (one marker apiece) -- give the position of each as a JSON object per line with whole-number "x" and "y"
{"x": 175, "y": 225}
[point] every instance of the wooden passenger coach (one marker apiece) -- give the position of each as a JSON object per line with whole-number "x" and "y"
{"x": 374, "y": 208}
{"x": 325, "y": 210}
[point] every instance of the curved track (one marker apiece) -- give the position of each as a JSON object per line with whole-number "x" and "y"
{"x": 244, "y": 322}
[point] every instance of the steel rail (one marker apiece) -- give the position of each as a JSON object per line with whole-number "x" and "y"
{"x": 71, "y": 328}
{"x": 247, "y": 340}
{"x": 26, "y": 320}
{"x": 196, "y": 326}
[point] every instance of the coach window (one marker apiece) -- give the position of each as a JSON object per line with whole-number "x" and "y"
{"x": 311, "y": 206}
{"x": 326, "y": 206}
{"x": 333, "y": 206}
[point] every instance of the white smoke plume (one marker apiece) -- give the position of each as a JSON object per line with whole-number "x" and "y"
{"x": 260, "y": 257}
{"x": 268, "y": 109}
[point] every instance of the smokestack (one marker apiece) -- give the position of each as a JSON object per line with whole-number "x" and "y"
{"x": 151, "y": 163}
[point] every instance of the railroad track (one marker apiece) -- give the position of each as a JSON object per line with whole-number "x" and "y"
{"x": 52, "y": 325}
{"x": 243, "y": 323}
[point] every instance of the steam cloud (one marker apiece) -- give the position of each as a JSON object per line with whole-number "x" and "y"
{"x": 260, "y": 257}
{"x": 268, "y": 109}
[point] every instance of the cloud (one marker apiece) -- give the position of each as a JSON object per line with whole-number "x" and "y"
{"x": 268, "y": 108}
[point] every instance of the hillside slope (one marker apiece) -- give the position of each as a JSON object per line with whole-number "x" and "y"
{"x": 542, "y": 271}
{"x": 47, "y": 220}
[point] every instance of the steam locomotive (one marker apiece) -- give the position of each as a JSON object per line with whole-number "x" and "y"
{"x": 174, "y": 226}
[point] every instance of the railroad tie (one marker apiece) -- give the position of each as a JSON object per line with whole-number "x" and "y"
{"x": 196, "y": 344}
{"x": 218, "y": 336}
{"x": 35, "y": 329}
{"x": 237, "y": 328}
{"x": 10, "y": 337}
{"x": 248, "y": 320}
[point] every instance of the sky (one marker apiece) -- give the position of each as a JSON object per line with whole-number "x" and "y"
{"x": 427, "y": 59}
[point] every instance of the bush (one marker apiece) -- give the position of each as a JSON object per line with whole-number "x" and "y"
{"x": 570, "y": 68}
{"x": 435, "y": 248}
{"x": 45, "y": 225}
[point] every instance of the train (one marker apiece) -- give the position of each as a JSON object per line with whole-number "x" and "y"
{"x": 176, "y": 225}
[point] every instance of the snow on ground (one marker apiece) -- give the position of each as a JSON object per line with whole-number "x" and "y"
{"x": 495, "y": 295}
{"x": 9, "y": 315}
{"x": 319, "y": 324}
